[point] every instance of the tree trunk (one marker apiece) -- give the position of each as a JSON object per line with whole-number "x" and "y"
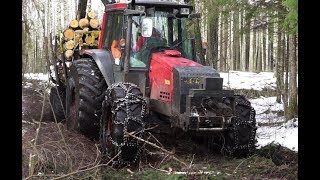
{"x": 279, "y": 72}
{"x": 221, "y": 58}
{"x": 241, "y": 35}
{"x": 198, "y": 43}
{"x": 35, "y": 55}
{"x": 247, "y": 51}
{"x": 270, "y": 46}
{"x": 236, "y": 45}
{"x": 264, "y": 54}
{"x": 254, "y": 50}
{"x": 286, "y": 81}
{"x": 212, "y": 37}
{"x": 258, "y": 57}
{"x": 225, "y": 44}
{"x": 293, "y": 96}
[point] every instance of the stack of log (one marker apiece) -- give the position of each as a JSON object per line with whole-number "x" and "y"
{"x": 84, "y": 32}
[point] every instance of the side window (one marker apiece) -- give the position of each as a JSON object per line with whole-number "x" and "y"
{"x": 114, "y": 33}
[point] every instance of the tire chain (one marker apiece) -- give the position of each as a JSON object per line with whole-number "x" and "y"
{"x": 125, "y": 103}
{"x": 250, "y": 147}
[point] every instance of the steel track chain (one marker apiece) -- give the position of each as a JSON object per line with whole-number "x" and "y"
{"x": 124, "y": 103}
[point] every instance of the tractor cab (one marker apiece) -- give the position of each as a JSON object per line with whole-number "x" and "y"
{"x": 145, "y": 27}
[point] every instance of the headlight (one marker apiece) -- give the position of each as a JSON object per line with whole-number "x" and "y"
{"x": 184, "y": 11}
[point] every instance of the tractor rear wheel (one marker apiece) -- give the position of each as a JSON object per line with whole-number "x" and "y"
{"x": 239, "y": 138}
{"x": 57, "y": 101}
{"x": 123, "y": 111}
{"x": 84, "y": 96}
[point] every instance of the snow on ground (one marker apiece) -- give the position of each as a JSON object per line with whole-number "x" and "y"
{"x": 274, "y": 128}
{"x": 248, "y": 80}
{"x": 267, "y": 109}
{"x": 37, "y": 76}
{"x": 43, "y": 78}
{"x": 285, "y": 134}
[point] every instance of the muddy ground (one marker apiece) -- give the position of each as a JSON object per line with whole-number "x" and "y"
{"x": 50, "y": 151}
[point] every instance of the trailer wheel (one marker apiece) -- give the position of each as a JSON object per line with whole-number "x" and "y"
{"x": 123, "y": 111}
{"x": 84, "y": 96}
{"x": 239, "y": 138}
{"x": 57, "y": 100}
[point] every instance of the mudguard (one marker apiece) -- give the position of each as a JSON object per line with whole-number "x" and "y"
{"x": 104, "y": 61}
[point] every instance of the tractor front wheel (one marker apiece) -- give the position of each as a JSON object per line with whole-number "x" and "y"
{"x": 123, "y": 111}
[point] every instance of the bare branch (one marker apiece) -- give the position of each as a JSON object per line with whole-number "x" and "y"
{"x": 158, "y": 147}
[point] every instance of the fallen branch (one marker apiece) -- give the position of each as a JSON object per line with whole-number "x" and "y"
{"x": 163, "y": 160}
{"x": 191, "y": 161}
{"x": 158, "y": 147}
{"x": 155, "y": 139}
{"x": 151, "y": 128}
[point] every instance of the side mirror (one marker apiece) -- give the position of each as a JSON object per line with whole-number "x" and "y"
{"x": 194, "y": 15}
{"x": 146, "y": 29}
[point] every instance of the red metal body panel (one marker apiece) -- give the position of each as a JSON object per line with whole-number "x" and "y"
{"x": 116, "y": 6}
{"x": 102, "y": 32}
{"x": 161, "y": 74}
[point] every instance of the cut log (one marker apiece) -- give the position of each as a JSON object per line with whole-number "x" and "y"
{"x": 95, "y": 34}
{"x": 74, "y": 24}
{"x": 68, "y": 34}
{"x": 91, "y": 14}
{"x": 89, "y": 39}
{"x": 68, "y": 54}
{"x": 69, "y": 44}
{"x": 83, "y": 23}
{"x": 94, "y": 23}
{"x": 95, "y": 43}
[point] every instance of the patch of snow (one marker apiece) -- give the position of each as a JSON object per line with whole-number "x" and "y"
{"x": 68, "y": 64}
{"x": 248, "y": 80}
{"x": 27, "y": 85}
{"x": 266, "y": 109}
{"x": 37, "y": 76}
{"x": 52, "y": 72}
{"x": 274, "y": 130}
{"x": 285, "y": 135}
{"x": 194, "y": 114}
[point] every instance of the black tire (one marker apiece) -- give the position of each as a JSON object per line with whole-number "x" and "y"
{"x": 123, "y": 111}
{"x": 84, "y": 96}
{"x": 57, "y": 100}
{"x": 239, "y": 138}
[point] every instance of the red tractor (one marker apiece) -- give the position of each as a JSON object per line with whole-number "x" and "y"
{"x": 144, "y": 72}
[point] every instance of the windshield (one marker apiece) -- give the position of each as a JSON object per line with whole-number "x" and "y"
{"x": 168, "y": 32}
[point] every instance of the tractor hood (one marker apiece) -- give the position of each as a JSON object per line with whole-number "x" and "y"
{"x": 169, "y": 71}
{"x": 171, "y": 58}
